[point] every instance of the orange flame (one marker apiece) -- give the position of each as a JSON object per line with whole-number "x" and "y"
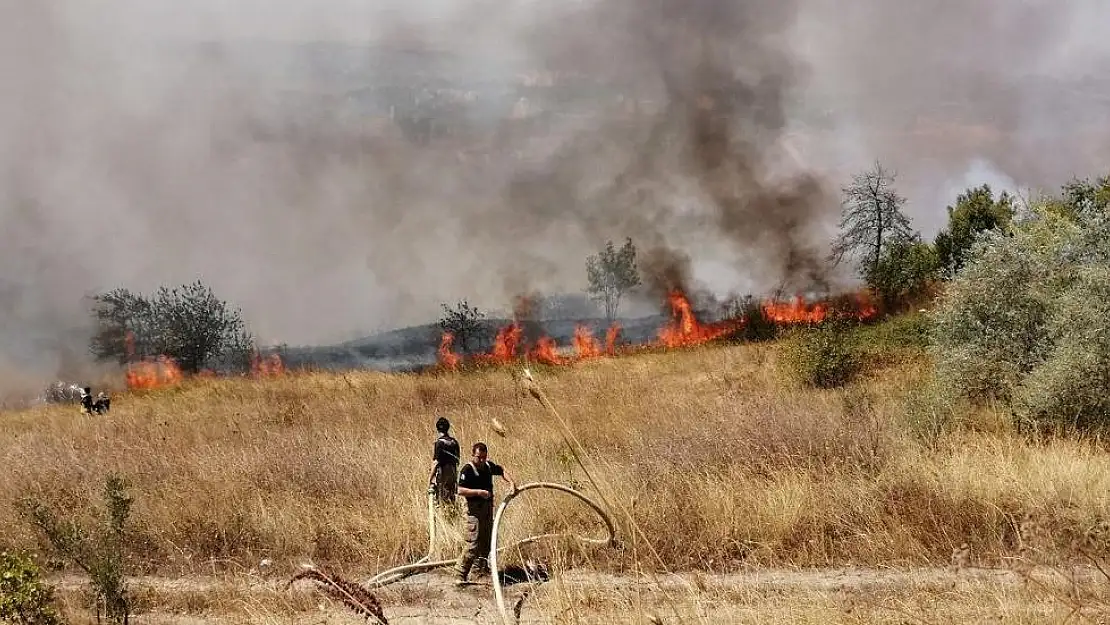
{"x": 268, "y": 366}
{"x": 611, "y": 338}
{"x": 148, "y": 374}
{"x": 796, "y": 311}
{"x": 546, "y": 351}
{"x": 445, "y": 355}
{"x": 505, "y": 343}
{"x": 684, "y": 330}
{"x": 585, "y": 345}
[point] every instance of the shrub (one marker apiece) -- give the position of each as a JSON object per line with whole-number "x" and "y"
{"x": 1069, "y": 388}
{"x": 904, "y": 275}
{"x": 822, "y": 357}
{"x": 976, "y": 211}
{"x": 24, "y": 598}
{"x": 1027, "y": 320}
{"x": 99, "y": 553}
{"x": 990, "y": 326}
{"x": 757, "y": 325}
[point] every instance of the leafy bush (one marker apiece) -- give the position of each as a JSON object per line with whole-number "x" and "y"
{"x": 1069, "y": 388}
{"x": 24, "y": 598}
{"x": 1027, "y": 320}
{"x": 822, "y": 357}
{"x": 757, "y": 325}
{"x": 99, "y": 553}
{"x": 904, "y": 275}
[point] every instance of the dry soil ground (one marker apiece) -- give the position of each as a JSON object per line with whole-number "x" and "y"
{"x": 852, "y": 595}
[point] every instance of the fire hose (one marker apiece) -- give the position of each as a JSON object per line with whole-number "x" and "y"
{"x": 426, "y": 563}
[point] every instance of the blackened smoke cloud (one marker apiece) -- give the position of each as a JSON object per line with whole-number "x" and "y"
{"x": 270, "y": 149}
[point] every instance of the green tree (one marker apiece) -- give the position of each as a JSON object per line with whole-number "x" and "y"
{"x": 187, "y": 323}
{"x": 464, "y": 322}
{"x": 1084, "y": 198}
{"x": 976, "y": 211}
{"x": 871, "y": 219}
{"x": 905, "y": 273}
{"x": 126, "y": 327}
{"x": 1027, "y": 321}
{"x": 611, "y": 273}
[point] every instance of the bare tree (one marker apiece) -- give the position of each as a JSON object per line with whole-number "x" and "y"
{"x": 872, "y": 219}
{"x": 612, "y": 272}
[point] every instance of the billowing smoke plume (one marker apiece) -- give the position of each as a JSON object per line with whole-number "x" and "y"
{"x": 342, "y": 166}
{"x": 706, "y": 166}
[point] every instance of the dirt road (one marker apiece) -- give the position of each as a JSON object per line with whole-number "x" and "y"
{"x": 967, "y": 595}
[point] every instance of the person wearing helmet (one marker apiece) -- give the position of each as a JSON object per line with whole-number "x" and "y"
{"x": 445, "y": 464}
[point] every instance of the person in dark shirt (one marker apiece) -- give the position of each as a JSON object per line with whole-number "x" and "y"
{"x": 445, "y": 464}
{"x": 476, "y": 485}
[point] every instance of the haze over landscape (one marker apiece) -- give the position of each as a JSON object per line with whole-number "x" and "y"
{"x": 338, "y": 168}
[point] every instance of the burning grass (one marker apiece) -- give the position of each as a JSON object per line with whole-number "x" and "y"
{"x": 682, "y": 331}
{"x": 717, "y": 462}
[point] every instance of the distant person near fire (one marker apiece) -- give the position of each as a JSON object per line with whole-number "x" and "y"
{"x": 476, "y": 485}
{"x": 445, "y": 464}
{"x": 98, "y": 405}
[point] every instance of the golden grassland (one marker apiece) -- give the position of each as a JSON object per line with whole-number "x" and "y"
{"x": 714, "y": 459}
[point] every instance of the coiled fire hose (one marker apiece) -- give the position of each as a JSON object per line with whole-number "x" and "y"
{"x": 426, "y": 563}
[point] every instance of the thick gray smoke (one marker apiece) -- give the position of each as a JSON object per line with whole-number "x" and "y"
{"x": 271, "y": 148}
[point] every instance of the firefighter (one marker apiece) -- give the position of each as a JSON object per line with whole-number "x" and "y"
{"x": 87, "y": 400}
{"x": 476, "y": 485}
{"x": 445, "y": 464}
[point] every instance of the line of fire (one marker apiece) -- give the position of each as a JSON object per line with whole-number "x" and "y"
{"x": 683, "y": 330}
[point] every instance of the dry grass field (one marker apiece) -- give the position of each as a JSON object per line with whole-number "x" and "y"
{"x": 717, "y": 467}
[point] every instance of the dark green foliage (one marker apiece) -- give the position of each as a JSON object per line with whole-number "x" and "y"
{"x": 611, "y": 273}
{"x": 25, "y": 599}
{"x": 464, "y": 322}
{"x": 188, "y": 323}
{"x": 1084, "y": 199}
{"x": 904, "y": 275}
{"x": 976, "y": 211}
{"x": 98, "y": 552}
{"x": 757, "y": 325}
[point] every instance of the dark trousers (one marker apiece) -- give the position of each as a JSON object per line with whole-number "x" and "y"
{"x": 447, "y": 477}
{"x": 479, "y": 535}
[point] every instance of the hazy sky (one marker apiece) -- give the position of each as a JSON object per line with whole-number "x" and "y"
{"x": 127, "y": 161}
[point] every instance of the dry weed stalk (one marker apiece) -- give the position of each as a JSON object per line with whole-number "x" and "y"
{"x": 349, "y": 593}
{"x": 1072, "y": 596}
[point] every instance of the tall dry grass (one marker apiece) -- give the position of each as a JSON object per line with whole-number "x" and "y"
{"x": 718, "y": 462}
